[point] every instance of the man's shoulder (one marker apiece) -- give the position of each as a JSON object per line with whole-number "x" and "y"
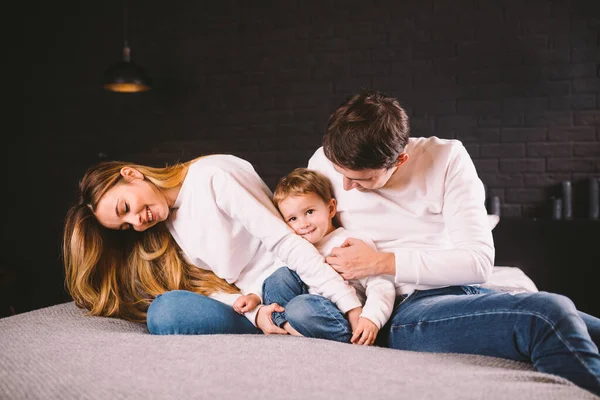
{"x": 318, "y": 158}
{"x": 433, "y": 144}
{"x": 437, "y": 148}
{"x": 320, "y": 163}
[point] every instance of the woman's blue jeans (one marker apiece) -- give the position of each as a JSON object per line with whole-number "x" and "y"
{"x": 542, "y": 328}
{"x": 180, "y": 312}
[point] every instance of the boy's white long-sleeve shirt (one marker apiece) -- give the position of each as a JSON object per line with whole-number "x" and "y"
{"x": 376, "y": 292}
{"x": 430, "y": 214}
{"x": 224, "y": 220}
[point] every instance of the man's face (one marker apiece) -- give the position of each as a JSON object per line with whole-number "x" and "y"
{"x": 365, "y": 179}
{"x": 368, "y": 179}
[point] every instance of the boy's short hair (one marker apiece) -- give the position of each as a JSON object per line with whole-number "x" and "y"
{"x": 302, "y": 181}
{"x": 367, "y": 131}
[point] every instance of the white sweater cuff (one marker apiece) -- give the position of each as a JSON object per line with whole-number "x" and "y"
{"x": 348, "y": 303}
{"x": 373, "y": 317}
{"x": 251, "y": 315}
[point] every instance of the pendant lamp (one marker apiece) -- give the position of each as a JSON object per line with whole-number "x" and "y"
{"x": 126, "y": 76}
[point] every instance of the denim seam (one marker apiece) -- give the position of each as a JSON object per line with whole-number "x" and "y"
{"x": 542, "y": 317}
{"x": 279, "y": 319}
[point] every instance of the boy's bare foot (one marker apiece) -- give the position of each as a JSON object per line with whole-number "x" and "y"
{"x": 291, "y": 330}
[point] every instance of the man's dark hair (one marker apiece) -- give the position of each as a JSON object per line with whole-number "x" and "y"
{"x": 368, "y": 131}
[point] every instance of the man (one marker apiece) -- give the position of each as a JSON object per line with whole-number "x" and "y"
{"x": 422, "y": 203}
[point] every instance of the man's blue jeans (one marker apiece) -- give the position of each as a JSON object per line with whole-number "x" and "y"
{"x": 542, "y": 328}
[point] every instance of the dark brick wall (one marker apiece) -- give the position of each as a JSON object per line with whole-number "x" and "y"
{"x": 515, "y": 81}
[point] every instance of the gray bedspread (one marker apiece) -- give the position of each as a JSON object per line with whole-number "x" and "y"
{"x": 58, "y": 353}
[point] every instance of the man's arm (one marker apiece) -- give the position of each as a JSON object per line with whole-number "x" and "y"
{"x": 469, "y": 261}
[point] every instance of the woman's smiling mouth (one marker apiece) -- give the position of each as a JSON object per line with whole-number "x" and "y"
{"x": 150, "y": 216}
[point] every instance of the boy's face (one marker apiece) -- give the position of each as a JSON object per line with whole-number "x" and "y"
{"x": 308, "y": 215}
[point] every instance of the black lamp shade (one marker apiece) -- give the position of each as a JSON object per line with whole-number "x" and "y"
{"x": 126, "y": 77}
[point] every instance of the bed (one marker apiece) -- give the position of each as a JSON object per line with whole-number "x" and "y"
{"x": 60, "y": 353}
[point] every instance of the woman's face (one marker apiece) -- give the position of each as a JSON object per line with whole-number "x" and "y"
{"x": 133, "y": 203}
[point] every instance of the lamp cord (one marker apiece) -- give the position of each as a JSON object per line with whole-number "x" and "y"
{"x": 126, "y": 49}
{"x": 125, "y": 22}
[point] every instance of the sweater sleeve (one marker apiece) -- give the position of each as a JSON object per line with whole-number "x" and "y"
{"x": 471, "y": 258}
{"x": 230, "y": 298}
{"x": 381, "y": 294}
{"x": 256, "y": 212}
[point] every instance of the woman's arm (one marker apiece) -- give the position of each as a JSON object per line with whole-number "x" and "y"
{"x": 248, "y": 201}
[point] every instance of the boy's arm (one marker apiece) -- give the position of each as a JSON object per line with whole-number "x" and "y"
{"x": 380, "y": 291}
{"x": 230, "y": 298}
{"x": 381, "y": 295}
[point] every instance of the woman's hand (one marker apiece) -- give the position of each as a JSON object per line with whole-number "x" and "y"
{"x": 365, "y": 333}
{"x": 264, "y": 320}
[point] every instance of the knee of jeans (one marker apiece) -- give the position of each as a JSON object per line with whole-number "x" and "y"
{"x": 282, "y": 274}
{"x": 301, "y": 309}
{"x": 162, "y": 313}
{"x": 309, "y": 314}
{"x": 552, "y": 305}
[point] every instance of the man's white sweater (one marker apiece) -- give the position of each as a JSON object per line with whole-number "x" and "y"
{"x": 430, "y": 214}
{"x": 224, "y": 220}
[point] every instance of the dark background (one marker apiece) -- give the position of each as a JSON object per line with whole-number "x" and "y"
{"x": 516, "y": 81}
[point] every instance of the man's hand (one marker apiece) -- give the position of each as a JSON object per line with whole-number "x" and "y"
{"x": 354, "y": 259}
{"x": 246, "y": 303}
{"x": 365, "y": 333}
{"x": 353, "y": 316}
{"x": 264, "y": 320}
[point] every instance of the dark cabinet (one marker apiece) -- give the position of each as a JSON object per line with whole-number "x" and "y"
{"x": 559, "y": 256}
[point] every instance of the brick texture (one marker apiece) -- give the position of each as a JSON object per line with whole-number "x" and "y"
{"x": 517, "y": 82}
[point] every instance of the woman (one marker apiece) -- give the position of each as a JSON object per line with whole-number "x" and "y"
{"x": 166, "y": 245}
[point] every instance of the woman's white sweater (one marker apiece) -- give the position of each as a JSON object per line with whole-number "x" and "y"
{"x": 224, "y": 220}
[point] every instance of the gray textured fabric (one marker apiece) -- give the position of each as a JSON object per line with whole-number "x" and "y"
{"x": 58, "y": 353}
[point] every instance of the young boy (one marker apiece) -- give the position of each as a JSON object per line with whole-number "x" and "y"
{"x": 305, "y": 200}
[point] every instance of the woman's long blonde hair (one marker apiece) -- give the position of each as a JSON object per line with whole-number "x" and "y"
{"x": 118, "y": 273}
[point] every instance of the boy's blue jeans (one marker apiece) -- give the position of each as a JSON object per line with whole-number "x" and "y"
{"x": 543, "y": 328}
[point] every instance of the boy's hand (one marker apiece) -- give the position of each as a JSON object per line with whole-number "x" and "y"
{"x": 353, "y": 316}
{"x": 365, "y": 333}
{"x": 246, "y": 303}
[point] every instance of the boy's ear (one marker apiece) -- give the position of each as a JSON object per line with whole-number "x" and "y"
{"x": 332, "y": 207}
{"x": 131, "y": 173}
